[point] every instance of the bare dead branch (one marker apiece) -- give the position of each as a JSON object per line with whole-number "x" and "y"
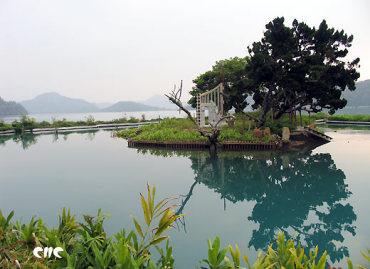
{"x": 213, "y": 133}
{"x": 175, "y": 96}
{"x": 179, "y": 104}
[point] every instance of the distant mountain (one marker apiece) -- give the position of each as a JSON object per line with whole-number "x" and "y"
{"x": 103, "y": 105}
{"x": 359, "y": 97}
{"x": 55, "y": 103}
{"x": 128, "y": 106}
{"x": 159, "y": 101}
{"x": 358, "y": 101}
{"x": 11, "y": 108}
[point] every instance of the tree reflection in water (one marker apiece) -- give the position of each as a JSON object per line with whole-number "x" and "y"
{"x": 302, "y": 194}
{"x": 27, "y": 140}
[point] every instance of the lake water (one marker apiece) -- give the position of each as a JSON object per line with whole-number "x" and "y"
{"x": 104, "y": 116}
{"x": 320, "y": 197}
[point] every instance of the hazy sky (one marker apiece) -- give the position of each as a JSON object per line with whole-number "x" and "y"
{"x": 109, "y": 50}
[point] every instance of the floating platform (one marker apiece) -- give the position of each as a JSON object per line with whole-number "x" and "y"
{"x": 316, "y": 135}
{"x": 232, "y": 146}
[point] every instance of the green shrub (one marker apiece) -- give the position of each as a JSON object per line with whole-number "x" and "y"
{"x": 166, "y": 130}
{"x": 133, "y": 120}
{"x": 86, "y": 244}
{"x": 285, "y": 255}
{"x": 44, "y": 124}
{"x": 90, "y": 120}
{"x": 359, "y": 117}
{"x": 25, "y": 123}
{"x": 4, "y": 126}
{"x": 120, "y": 120}
{"x": 184, "y": 130}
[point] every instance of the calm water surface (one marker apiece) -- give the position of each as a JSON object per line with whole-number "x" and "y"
{"x": 320, "y": 197}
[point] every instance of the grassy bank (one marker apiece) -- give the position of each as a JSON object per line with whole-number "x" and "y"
{"x": 305, "y": 120}
{"x": 184, "y": 130}
{"x": 355, "y": 118}
{"x": 27, "y": 123}
{"x": 87, "y": 245}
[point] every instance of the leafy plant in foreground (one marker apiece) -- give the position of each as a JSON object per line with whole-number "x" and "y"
{"x": 285, "y": 256}
{"x": 87, "y": 245}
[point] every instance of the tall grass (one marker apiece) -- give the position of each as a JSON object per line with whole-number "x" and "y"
{"x": 87, "y": 245}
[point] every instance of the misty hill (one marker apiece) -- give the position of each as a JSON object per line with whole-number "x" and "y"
{"x": 11, "y": 108}
{"x": 159, "y": 101}
{"x": 102, "y": 105}
{"x": 359, "y": 97}
{"x": 55, "y": 103}
{"x": 128, "y": 106}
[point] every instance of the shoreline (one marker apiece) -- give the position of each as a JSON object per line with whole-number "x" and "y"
{"x": 352, "y": 123}
{"x": 107, "y": 126}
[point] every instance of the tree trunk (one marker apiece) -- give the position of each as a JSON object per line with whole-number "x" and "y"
{"x": 265, "y": 110}
{"x": 213, "y": 140}
{"x": 281, "y": 113}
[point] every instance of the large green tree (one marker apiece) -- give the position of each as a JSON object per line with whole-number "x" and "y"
{"x": 300, "y": 68}
{"x": 230, "y": 71}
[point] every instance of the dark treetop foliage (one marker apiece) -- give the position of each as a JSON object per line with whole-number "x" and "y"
{"x": 300, "y": 68}
{"x": 232, "y": 73}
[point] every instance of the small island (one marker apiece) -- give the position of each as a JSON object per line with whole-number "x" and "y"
{"x": 240, "y": 134}
{"x": 290, "y": 75}
{"x": 184, "y": 134}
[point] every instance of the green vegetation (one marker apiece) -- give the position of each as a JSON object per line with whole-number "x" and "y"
{"x": 166, "y": 130}
{"x": 285, "y": 255}
{"x": 289, "y": 70}
{"x": 232, "y": 73}
{"x": 364, "y": 118}
{"x": 87, "y": 245}
{"x": 184, "y": 130}
{"x": 5, "y": 126}
{"x": 27, "y": 123}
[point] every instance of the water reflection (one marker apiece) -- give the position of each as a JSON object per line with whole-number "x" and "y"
{"x": 25, "y": 141}
{"x": 28, "y": 140}
{"x": 302, "y": 194}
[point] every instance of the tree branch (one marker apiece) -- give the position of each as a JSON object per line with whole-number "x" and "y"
{"x": 213, "y": 134}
